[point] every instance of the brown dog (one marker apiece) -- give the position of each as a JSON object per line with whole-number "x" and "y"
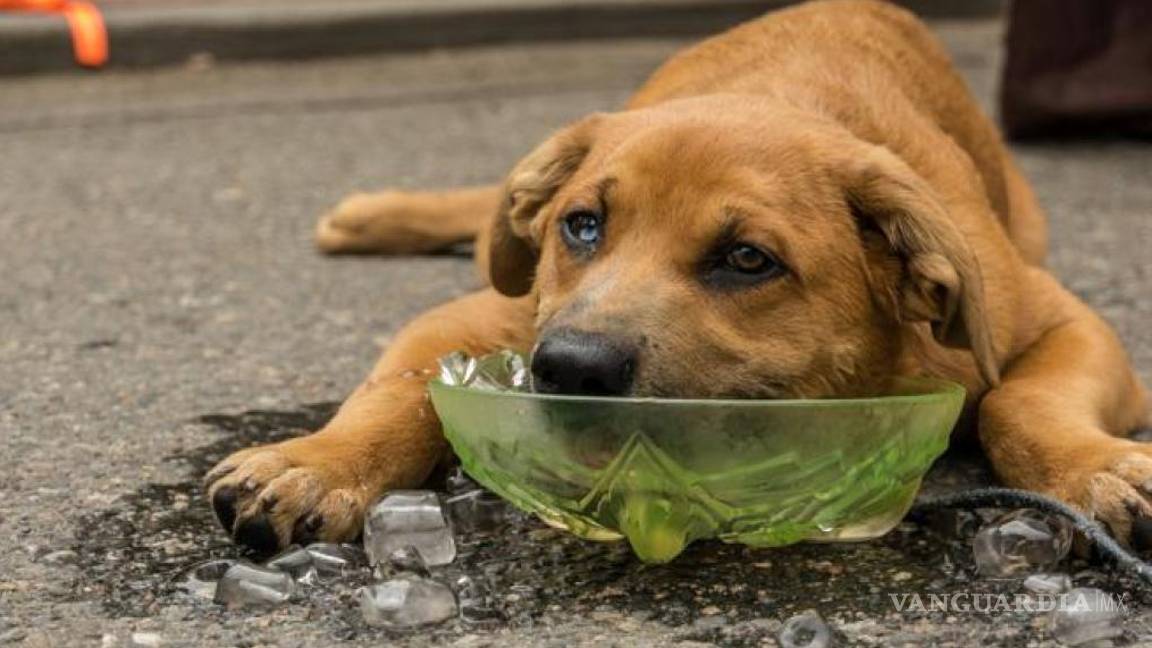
{"x": 803, "y": 206}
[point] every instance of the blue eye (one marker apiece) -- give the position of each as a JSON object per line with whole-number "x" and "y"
{"x": 582, "y": 229}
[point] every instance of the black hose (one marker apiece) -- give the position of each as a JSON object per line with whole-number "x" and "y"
{"x": 1106, "y": 546}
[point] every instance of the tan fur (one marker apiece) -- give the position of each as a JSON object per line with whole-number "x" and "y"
{"x": 838, "y": 135}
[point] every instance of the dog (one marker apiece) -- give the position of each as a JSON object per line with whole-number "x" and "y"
{"x": 802, "y": 207}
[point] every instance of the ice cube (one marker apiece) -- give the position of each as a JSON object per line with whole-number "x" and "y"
{"x": 1048, "y": 583}
{"x": 476, "y": 603}
{"x": 407, "y": 601}
{"x": 335, "y": 559}
{"x": 318, "y": 560}
{"x": 409, "y": 518}
{"x": 245, "y": 584}
{"x": 1020, "y": 541}
{"x": 294, "y": 561}
{"x": 1087, "y": 615}
{"x": 806, "y": 630}
{"x": 457, "y": 368}
{"x": 200, "y": 580}
{"x": 501, "y": 371}
{"x": 407, "y": 559}
{"x": 477, "y": 510}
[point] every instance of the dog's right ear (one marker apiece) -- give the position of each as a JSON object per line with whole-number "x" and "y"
{"x": 513, "y": 251}
{"x": 942, "y": 283}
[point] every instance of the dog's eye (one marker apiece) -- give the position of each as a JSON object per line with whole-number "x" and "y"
{"x": 582, "y": 229}
{"x": 740, "y": 265}
{"x": 749, "y": 260}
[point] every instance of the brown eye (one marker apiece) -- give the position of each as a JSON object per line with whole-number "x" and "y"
{"x": 740, "y": 265}
{"x": 749, "y": 260}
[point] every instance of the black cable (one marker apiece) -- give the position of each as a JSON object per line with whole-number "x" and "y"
{"x": 1107, "y": 547}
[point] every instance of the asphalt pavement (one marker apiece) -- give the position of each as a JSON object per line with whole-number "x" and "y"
{"x": 157, "y": 280}
{"x": 150, "y": 33}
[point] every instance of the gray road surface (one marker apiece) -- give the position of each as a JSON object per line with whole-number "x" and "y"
{"x": 155, "y": 268}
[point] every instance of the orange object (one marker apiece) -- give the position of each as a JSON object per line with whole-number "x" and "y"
{"x": 89, "y": 35}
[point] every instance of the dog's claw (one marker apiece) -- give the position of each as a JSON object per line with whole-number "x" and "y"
{"x": 224, "y": 505}
{"x": 217, "y": 473}
{"x": 266, "y": 498}
{"x": 1142, "y": 533}
{"x": 1112, "y": 487}
{"x": 256, "y": 532}
{"x": 304, "y": 531}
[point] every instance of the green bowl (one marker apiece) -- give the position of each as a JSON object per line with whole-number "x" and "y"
{"x": 664, "y": 472}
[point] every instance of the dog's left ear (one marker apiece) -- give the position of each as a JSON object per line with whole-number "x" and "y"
{"x": 530, "y": 186}
{"x": 942, "y": 283}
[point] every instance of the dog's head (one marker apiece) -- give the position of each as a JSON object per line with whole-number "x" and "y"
{"x": 700, "y": 250}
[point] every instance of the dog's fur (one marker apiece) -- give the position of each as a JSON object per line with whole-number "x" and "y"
{"x": 835, "y": 134}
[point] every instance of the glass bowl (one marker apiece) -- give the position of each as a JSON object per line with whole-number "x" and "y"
{"x": 665, "y": 472}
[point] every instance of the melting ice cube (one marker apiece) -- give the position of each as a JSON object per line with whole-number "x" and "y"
{"x": 806, "y": 630}
{"x": 1020, "y": 541}
{"x": 245, "y": 584}
{"x": 294, "y": 561}
{"x": 409, "y": 518}
{"x": 457, "y": 368}
{"x": 318, "y": 560}
{"x": 476, "y": 602}
{"x": 200, "y": 580}
{"x": 1048, "y": 583}
{"x": 407, "y": 559}
{"x": 501, "y": 371}
{"x": 1087, "y": 615}
{"x": 407, "y": 601}
{"x": 335, "y": 559}
{"x": 477, "y": 510}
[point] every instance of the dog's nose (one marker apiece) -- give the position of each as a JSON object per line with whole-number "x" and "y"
{"x": 568, "y": 361}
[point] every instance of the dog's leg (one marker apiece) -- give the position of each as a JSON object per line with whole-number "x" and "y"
{"x": 397, "y": 222}
{"x": 386, "y": 435}
{"x": 1055, "y": 424}
{"x": 1027, "y": 225}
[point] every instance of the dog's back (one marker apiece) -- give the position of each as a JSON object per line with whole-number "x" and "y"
{"x": 876, "y": 69}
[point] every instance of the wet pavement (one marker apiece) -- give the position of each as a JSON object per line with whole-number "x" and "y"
{"x": 160, "y": 307}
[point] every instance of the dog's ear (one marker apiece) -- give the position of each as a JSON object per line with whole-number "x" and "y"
{"x": 530, "y": 186}
{"x": 942, "y": 283}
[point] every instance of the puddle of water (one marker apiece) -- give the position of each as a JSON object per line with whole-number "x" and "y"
{"x": 133, "y": 550}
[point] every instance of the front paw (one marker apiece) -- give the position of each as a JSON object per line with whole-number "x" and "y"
{"x": 1112, "y": 482}
{"x": 292, "y": 492}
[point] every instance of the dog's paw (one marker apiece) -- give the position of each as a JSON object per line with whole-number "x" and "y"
{"x": 1113, "y": 484}
{"x": 377, "y": 222}
{"x": 271, "y": 496}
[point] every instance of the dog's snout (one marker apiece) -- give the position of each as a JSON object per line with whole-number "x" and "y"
{"x": 577, "y": 362}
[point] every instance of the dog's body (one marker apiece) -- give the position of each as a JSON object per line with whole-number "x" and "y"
{"x": 803, "y": 206}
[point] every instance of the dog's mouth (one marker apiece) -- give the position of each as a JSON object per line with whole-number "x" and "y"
{"x": 666, "y": 387}
{"x": 510, "y": 370}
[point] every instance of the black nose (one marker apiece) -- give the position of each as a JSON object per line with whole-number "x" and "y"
{"x": 568, "y": 361}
